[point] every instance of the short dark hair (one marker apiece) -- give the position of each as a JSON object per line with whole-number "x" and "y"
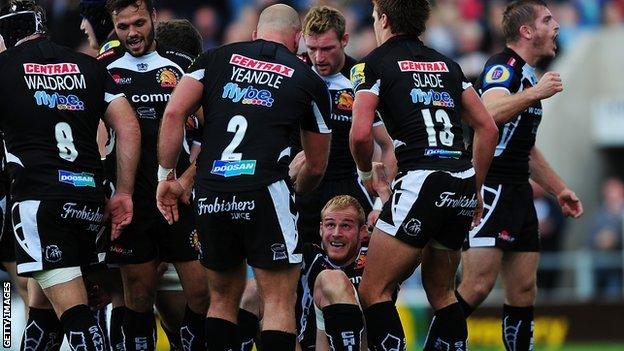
{"x": 518, "y": 14}
{"x": 181, "y": 35}
{"x": 320, "y": 19}
{"x": 405, "y": 16}
{"x": 114, "y": 6}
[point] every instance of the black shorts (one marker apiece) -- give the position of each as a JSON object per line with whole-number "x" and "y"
{"x": 310, "y": 205}
{"x": 509, "y": 219}
{"x": 257, "y": 225}
{"x": 149, "y": 237}
{"x": 427, "y": 204}
{"x": 51, "y": 234}
{"x": 7, "y": 240}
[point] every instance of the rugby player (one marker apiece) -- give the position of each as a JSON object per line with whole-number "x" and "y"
{"x": 148, "y": 72}
{"x": 326, "y": 39}
{"x": 253, "y": 94}
{"x": 507, "y": 240}
{"x": 55, "y": 170}
{"x": 424, "y": 95}
{"x": 97, "y": 24}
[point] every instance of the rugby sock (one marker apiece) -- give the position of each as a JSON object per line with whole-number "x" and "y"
{"x": 343, "y": 326}
{"x": 43, "y": 331}
{"x": 192, "y": 331}
{"x": 173, "y": 337}
{"x": 465, "y": 306}
{"x": 82, "y": 330}
{"x": 518, "y": 328}
{"x": 139, "y": 330}
{"x": 384, "y": 328}
{"x": 100, "y": 318}
{"x": 276, "y": 340}
{"x": 116, "y": 321}
{"x": 448, "y": 330}
{"x": 248, "y": 325}
{"x": 221, "y": 335}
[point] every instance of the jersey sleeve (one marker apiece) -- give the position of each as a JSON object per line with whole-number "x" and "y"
{"x": 112, "y": 90}
{"x": 318, "y": 115}
{"x": 364, "y": 77}
{"x": 377, "y": 120}
{"x": 197, "y": 69}
{"x": 499, "y": 76}
{"x": 464, "y": 81}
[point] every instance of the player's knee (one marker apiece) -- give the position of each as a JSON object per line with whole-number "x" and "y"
{"x": 522, "y": 293}
{"x": 333, "y": 286}
{"x": 138, "y": 297}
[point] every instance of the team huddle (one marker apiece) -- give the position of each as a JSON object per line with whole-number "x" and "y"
{"x": 332, "y": 178}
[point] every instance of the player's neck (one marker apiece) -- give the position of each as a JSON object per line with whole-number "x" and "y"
{"x": 278, "y": 38}
{"x": 28, "y": 38}
{"x": 525, "y": 52}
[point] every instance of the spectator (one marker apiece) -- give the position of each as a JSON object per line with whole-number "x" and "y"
{"x": 606, "y": 237}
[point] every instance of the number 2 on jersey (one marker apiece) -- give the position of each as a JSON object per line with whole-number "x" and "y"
{"x": 238, "y": 126}
{"x": 65, "y": 142}
{"x": 445, "y": 135}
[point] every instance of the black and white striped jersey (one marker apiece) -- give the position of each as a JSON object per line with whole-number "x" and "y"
{"x": 509, "y": 72}
{"x": 420, "y": 96}
{"x": 51, "y": 102}
{"x": 148, "y": 82}
{"x": 255, "y": 94}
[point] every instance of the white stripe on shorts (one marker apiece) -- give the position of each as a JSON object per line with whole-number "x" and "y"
{"x": 280, "y": 194}
{"x": 488, "y": 209}
{"x": 31, "y": 243}
{"x": 407, "y": 196}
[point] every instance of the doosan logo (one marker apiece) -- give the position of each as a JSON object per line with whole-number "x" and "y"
{"x": 77, "y": 179}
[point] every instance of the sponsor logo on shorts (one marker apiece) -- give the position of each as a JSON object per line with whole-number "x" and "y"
{"x": 505, "y": 236}
{"x": 194, "y": 241}
{"x": 432, "y": 97}
{"x": 145, "y": 112}
{"x": 248, "y": 95}
{"x": 83, "y": 213}
{"x": 58, "y": 101}
{"x": 427, "y": 67}
{"x": 452, "y": 200}
{"x": 441, "y": 153}
{"x": 412, "y": 227}
{"x": 279, "y": 252}
{"x": 118, "y": 249}
{"x": 77, "y": 179}
{"x": 53, "y": 253}
{"x": 233, "y": 168}
{"x": 238, "y": 209}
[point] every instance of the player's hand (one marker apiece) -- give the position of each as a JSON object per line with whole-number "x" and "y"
{"x": 120, "y": 208}
{"x": 478, "y": 211}
{"x": 549, "y": 85}
{"x": 372, "y": 218}
{"x": 295, "y": 165}
{"x": 2, "y": 45}
{"x": 571, "y": 205}
{"x": 168, "y": 193}
{"x": 380, "y": 184}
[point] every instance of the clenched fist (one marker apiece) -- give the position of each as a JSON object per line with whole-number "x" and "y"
{"x": 549, "y": 85}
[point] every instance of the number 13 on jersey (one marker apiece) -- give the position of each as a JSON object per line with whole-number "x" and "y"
{"x": 231, "y": 163}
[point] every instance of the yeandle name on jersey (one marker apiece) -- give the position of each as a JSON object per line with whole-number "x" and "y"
{"x": 258, "y": 100}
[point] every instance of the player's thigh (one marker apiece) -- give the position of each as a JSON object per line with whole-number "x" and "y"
{"x": 519, "y": 274}
{"x": 438, "y": 274}
{"x": 480, "y": 268}
{"x": 389, "y": 261}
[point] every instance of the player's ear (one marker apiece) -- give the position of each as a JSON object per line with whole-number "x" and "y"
{"x": 383, "y": 19}
{"x": 345, "y": 40}
{"x": 297, "y": 40}
{"x": 153, "y": 15}
{"x": 254, "y": 35}
{"x": 526, "y": 32}
{"x": 363, "y": 231}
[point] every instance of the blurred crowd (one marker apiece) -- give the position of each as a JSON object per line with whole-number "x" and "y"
{"x": 467, "y": 30}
